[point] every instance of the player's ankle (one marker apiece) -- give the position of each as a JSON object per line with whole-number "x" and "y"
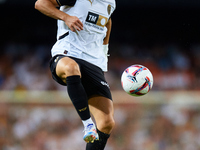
{"x": 88, "y": 121}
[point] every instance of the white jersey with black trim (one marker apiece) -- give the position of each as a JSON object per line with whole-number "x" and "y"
{"x": 87, "y": 43}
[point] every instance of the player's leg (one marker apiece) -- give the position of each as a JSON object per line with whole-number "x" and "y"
{"x": 102, "y": 110}
{"x": 68, "y": 70}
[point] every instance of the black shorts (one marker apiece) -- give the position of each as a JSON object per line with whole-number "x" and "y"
{"x": 92, "y": 77}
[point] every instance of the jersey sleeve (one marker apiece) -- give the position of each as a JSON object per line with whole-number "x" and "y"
{"x": 66, "y": 2}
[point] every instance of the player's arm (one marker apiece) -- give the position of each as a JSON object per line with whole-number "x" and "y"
{"x": 49, "y": 8}
{"x": 106, "y": 39}
{"x": 109, "y": 26}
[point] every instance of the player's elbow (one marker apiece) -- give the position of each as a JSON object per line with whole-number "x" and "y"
{"x": 37, "y": 4}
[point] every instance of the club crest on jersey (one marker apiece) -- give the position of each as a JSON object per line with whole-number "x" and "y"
{"x": 95, "y": 20}
{"x": 109, "y": 9}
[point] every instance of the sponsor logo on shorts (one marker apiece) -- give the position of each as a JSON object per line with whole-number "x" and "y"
{"x": 56, "y": 59}
{"x": 105, "y": 83}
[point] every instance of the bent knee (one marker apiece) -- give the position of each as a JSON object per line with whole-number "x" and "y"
{"x": 107, "y": 125}
{"x": 67, "y": 68}
{"x": 71, "y": 69}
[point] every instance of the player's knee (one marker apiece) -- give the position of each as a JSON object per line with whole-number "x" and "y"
{"x": 71, "y": 69}
{"x": 111, "y": 124}
{"x": 108, "y": 124}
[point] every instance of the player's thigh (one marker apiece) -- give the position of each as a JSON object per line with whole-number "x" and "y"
{"x": 103, "y": 111}
{"x": 67, "y": 67}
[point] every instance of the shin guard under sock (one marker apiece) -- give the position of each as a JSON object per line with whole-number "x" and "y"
{"x": 78, "y": 96}
{"x": 98, "y": 144}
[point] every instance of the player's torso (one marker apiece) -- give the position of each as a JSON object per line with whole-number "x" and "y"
{"x": 87, "y": 43}
{"x": 94, "y": 15}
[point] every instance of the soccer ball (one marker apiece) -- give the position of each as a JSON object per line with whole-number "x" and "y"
{"x": 137, "y": 80}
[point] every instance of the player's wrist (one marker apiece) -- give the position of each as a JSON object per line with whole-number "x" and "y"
{"x": 105, "y": 49}
{"x": 65, "y": 17}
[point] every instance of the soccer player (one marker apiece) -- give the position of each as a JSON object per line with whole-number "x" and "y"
{"x": 79, "y": 60}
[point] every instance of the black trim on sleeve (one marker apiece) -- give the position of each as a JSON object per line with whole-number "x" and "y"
{"x": 63, "y": 36}
{"x": 66, "y": 2}
{"x": 58, "y": 2}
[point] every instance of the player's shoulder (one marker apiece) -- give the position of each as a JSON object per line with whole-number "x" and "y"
{"x": 113, "y": 2}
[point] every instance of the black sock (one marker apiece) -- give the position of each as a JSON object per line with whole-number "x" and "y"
{"x": 78, "y": 96}
{"x": 98, "y": 144}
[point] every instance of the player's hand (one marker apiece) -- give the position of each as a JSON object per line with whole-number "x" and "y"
{"x": 74, "y": 23}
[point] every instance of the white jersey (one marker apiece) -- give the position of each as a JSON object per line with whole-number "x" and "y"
{"x": 87, "y": 43}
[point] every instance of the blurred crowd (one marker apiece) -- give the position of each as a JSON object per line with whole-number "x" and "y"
{"x": 25, "y": 67}
{"x": 138, "y": 127}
